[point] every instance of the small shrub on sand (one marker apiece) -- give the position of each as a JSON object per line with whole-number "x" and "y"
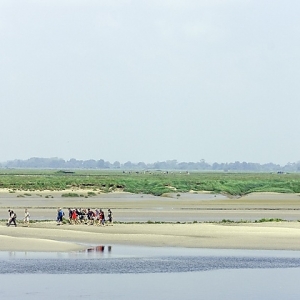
{"x": 90, "y": 194}
{"x": 70, "y": 195}
{"x": 227, "y": 221}
{"x": 269, "y": 220}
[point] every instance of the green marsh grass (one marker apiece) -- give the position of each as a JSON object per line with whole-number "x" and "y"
{"x": 156, "y": 183}
{"x": 70, "y": 195}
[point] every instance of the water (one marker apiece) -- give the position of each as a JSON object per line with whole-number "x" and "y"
{"x": 119, "y": 272}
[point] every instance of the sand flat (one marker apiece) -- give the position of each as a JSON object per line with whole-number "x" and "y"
{"x": 50, "y": 237}
{"x": 47, "y": 236}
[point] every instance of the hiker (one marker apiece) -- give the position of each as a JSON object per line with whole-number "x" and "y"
{"x": 10, "y": 212}
{"x": 91, "y": 216}
{"x": 74, "y": 217}
{"x": 81, "y": 215}
{"x": 26, "y": 217}
{"x": 60, "y": 215}
{"x": 110, "y": 217}
{"x": 70, "y": 214}
{"x": 101, "y": 218}
{"x": 12, "y": 218}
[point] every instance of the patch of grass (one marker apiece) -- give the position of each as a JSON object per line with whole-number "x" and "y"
{"x": 227, "y": 221}
{"x": 27, "y": 194}
{"x": 269, "y": 220}
{"x": 91, "y": 194}
{"x": 65, "y": 221}
{"x": 70, "y": 195}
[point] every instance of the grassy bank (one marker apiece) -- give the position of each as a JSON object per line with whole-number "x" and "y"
{"x": 155, "y": 183}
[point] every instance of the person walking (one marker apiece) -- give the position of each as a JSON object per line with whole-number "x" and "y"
{"x": 10, "y": 212}
{"x": 26, "y": 217}
{"x": 60, "y": 215}
{"x": 12, "y": 218}
{"x": 110, "y": 217}
{"x": 101, "y": 218}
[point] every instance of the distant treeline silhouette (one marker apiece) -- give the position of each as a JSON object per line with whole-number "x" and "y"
{"x": 202, "y": 165}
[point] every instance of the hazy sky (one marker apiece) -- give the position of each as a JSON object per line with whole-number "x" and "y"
{"x": 150, "y": 80}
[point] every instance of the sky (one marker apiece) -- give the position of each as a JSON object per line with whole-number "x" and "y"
{"x": 124, "y": 80}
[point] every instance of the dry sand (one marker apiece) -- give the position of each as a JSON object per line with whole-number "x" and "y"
{"x": 47, "y": 236}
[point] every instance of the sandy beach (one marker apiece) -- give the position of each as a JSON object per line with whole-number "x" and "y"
{"x": 180, "y": 232}
{"x": 50, "y": 237}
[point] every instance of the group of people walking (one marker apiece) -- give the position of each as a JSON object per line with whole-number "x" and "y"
{"x": 76, "y": 216}
{"x": 86, "y": 216}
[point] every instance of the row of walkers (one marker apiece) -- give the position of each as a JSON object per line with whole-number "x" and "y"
{"x": 86, "y": 216}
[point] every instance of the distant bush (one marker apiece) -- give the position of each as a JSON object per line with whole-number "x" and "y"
{"x": 70, "y": 195}
{"x": 90, "y": 194}
{"x": 269, "y": 220}
{"x": 227, "y": 221}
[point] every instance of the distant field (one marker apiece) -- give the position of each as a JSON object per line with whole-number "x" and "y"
{"x": 155, "y": 183}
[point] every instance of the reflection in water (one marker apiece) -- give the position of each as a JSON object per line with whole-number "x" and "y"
{"x": 97, "y": 249}
{"x": 136, "y": 260}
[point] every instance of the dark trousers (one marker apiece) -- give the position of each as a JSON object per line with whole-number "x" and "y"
{"x": 12, "y": 220}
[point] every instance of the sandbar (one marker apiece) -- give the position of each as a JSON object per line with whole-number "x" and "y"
{"x": 188, "y": 220}
{"x": 47, "y": 236}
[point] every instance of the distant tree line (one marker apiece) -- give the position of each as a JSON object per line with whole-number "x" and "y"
{"x": 202, "y": 165}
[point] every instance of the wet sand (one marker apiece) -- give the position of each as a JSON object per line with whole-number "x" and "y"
{"x": 190, "y": 207}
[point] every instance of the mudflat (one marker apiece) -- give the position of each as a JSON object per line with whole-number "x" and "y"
{"x": 193, "y": 221}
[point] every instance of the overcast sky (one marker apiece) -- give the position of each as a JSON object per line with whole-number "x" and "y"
{"x": 150, "y": 80}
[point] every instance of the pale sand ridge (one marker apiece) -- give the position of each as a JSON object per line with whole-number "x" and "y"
{"x": 50, "y": 237}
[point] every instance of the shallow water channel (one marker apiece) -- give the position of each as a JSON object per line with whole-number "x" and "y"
{"x": 124, "y": 272}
